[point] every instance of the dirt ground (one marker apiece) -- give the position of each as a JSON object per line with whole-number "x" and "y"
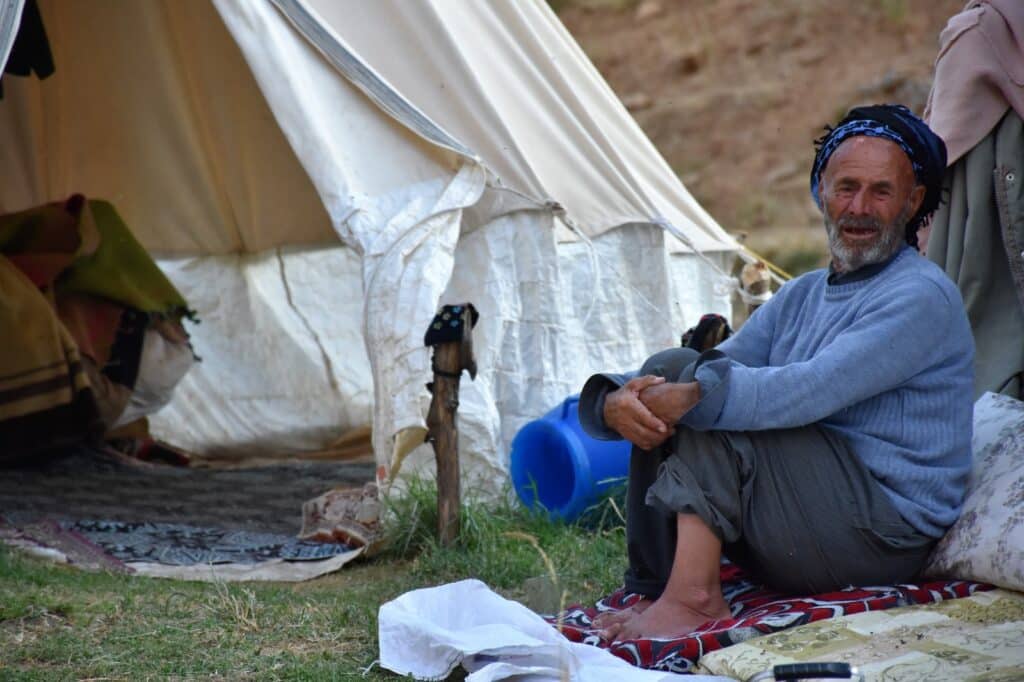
{"x": 733, "y": 92}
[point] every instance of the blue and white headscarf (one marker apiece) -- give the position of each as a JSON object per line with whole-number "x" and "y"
{"x": 925, "y": 149}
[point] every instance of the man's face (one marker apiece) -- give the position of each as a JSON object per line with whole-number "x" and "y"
{"x": 868, "y": 195}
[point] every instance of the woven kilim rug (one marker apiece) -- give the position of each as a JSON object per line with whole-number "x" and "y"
{"x": 104, "y": 511}
{"x": 756, "y": 611}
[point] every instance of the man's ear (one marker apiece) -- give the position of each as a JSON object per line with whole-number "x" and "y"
{"x": 916, "y": 197}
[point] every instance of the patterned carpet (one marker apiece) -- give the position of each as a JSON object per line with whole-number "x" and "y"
{"x": 756, "y": 611}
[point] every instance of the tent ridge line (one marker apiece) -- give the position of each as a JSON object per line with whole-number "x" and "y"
{"x": 366, "y": 79}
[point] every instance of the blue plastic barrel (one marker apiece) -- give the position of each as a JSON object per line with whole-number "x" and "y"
{"x": 556, "y": 465}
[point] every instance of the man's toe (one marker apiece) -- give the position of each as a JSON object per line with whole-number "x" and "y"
{"x": 606, "y": 618}
{"x": 611, "y": 632}
{"x": 625, "y": 632}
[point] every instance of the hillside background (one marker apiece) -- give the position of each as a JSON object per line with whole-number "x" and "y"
{"x": 733, "y": 92}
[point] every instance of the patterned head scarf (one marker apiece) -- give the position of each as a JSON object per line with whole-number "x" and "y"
{"x": 925, "y": 149}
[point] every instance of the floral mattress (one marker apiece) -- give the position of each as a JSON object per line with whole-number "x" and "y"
{"x": 978, "y": 638}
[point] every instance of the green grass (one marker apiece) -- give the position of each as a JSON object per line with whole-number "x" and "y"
{"x": 59, "y": 623}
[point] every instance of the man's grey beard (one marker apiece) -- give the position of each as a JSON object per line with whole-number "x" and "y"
{"x": 846, "y": 258}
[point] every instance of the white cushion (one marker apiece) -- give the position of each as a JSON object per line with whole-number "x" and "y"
{"x": 987, "y": 542}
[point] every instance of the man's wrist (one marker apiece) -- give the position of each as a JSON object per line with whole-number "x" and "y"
{"x": 687, "y": 396}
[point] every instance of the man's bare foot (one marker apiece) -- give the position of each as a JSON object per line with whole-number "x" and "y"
{"x": 606, "y": 619}
{"x": 669, "y": 617}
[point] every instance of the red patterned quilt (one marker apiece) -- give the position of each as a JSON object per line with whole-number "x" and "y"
{"x": 756, "y": 611}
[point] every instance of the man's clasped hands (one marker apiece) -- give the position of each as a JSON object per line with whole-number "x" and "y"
{"x": 646, "y": 409}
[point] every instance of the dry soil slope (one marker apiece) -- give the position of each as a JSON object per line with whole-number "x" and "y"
{"x": 734, "y": 91}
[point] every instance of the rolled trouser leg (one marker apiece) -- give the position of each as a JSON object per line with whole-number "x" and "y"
{"x": 706, "y": 476}
{"x": 650, "y": 532}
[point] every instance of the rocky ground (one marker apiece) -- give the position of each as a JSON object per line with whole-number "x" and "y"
{"x": 733, "y": 92}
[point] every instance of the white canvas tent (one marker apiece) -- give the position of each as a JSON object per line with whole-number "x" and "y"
{"x": 317, "y": 175}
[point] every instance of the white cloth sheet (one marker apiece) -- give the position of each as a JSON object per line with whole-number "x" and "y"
{"x": 427, "y": 633}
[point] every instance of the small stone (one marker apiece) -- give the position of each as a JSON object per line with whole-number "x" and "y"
{"x": 812, "y": 56}
{"x": 647, "y": 10}
{"x": 637, "y": 101}
{"x": 541, "y": 595}
{"x": 756, "y": 47}
{"x": 689, "y": 62}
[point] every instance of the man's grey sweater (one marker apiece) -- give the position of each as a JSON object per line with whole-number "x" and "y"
{"x": 886, "y": 361}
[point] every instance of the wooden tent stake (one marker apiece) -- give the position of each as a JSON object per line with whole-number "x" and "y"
{"x": 450, "y": 335}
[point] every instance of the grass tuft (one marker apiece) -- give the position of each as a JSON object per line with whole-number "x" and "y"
{"x": 237, "y": 604}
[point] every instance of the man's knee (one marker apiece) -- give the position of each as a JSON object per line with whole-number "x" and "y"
{"x": 710, "y": 455}
{"x": 670, "y": 364}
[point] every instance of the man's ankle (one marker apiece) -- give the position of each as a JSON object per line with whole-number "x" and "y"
{"x": 704, "y": 599}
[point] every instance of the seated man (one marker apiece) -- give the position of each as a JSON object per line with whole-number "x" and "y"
{"x": 827, "y": 443}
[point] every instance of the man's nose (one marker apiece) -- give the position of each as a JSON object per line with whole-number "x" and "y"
{"x": 859, "y": 203}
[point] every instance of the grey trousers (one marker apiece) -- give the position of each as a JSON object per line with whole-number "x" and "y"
{"x": 794, "y": 507}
